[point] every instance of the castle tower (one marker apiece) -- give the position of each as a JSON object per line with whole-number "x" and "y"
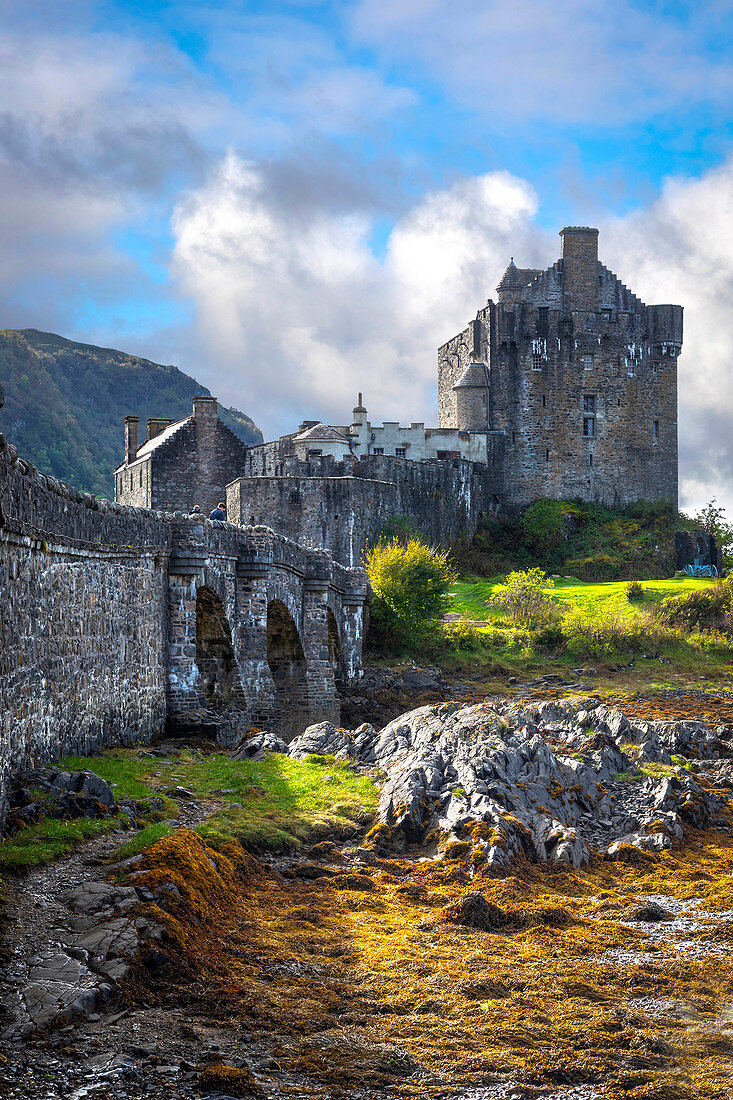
{"x": 472, "y": 399}
{"x": 580, "y": 381}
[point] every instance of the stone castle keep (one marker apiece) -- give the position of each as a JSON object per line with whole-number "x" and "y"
{"x": 565, "y": 387}
{"x": 117, "y": 618}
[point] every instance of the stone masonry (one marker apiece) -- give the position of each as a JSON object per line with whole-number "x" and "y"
{"x": 115, "y": 620}
{"x": 580, "y": 377}
{"x": 180, "y": 464}
{"x": 346, "y": 506}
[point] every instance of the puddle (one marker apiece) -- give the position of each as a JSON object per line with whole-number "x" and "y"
{"x": 675, "y": 934}
{"x": 516, "y": 1092}
{"x": 104, "y": 1069}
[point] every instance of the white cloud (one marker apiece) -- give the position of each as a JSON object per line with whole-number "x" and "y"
{"x": 295, "y": 318}
{"x": 598, "y": 61}
{"x": 295, "y": 315}
{"x": 681, "y": 250}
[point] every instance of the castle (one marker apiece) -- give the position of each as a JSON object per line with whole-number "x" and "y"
{"x": 565, "y": 387}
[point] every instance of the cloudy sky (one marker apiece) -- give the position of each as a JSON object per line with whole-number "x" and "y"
{"x": 296, "y": 201}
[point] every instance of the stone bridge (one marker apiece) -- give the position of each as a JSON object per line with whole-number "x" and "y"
{"x": 259, "y": 626}
{"x": 116, "y": 622}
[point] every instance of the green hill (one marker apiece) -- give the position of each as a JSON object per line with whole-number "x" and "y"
{"x": 65, "y": 403}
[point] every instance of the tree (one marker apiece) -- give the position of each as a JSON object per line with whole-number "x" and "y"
{"x": 411, "y": 583}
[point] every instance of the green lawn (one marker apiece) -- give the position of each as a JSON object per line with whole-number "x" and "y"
{"x": 275, "y": 804}
{"x": 470, "y": 597}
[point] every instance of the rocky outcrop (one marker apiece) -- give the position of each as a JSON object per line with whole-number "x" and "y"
{"x": 553, "y": 780}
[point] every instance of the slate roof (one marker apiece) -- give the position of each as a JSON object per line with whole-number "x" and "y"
{"x": 473, "y": 376}
{"x": 515, "y": 277}
{"x": 161, "y": 437}
{"x": 321, "y": 433}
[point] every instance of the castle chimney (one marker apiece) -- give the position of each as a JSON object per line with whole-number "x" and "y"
{"x": 580, "y": 268}
{"x": 359, "y": 413}
{"x": 156, "y": 425}
{"x": 130, "y": 438}
{"x": 205, "y": 410}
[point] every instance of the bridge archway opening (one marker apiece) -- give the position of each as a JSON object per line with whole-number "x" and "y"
{"x": 286, "y": 659}
{"x": 335, "y": 656}
{"x": 215, "y": 661}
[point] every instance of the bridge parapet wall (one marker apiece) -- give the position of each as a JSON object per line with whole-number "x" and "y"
{"x": 82, "y": 614}
{"x": 98, "y": 620}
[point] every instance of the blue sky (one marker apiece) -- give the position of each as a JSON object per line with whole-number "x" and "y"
{"x": 296, "y": 201}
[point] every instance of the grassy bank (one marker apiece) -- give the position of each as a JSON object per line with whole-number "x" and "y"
{"x": 595, "y": 624}
{"x": 274, "y": 804}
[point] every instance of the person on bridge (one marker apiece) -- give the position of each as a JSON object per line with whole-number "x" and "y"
{"x": 195, "y": 511}
{"x": 219, "y": 512}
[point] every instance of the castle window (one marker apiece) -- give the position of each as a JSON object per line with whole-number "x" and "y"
{"x": 401, "y": 452}
{"x": 378, "y": 451}
{"x": 589, "y": 403}
{"x": 537, "y": 360}
{"x": 587, "y": 362}
{"x": 589, "y": 427}
{"x": 314, "y": 454}
{"x": 514, "y": 437}
{"x": 544, "y": 400}
{"x": 590, "y": 460}
{"x": 140, "y": 478}
{"x": 655, "y": 431}
{"x": 547, "y": 456}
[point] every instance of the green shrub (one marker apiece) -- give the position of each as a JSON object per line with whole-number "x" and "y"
{"x": 634, "y": 592}
{"x": 410, "y": 582}
{"x": 599, "y": 567}
{"x": 599, "y": 634}
{"x": 524, "y": 598}
{"x": 550, "y": 639}
{"x": 543, "y": 526}
{"x": 462, "y": 635}
{"x": 708, "y": 608}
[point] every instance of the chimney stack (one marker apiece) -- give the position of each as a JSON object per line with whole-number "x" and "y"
{"x": 156, "y": 424}
{"x": 130, "y": 438}
{"x": 580, "y": 268}
{"x": 205, "y": 410}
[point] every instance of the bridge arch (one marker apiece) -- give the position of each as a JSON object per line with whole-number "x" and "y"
{"x": 335, "y": 652}
{"x": 219, "y": 679}
{"x": 288, "y": 666}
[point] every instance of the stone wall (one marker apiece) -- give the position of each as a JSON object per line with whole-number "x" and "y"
{"x": 348, "y": 506}
{"x": 116, "y": 620}
{"x": 82, "y": 612}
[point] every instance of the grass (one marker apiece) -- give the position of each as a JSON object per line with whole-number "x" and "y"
{"x": 601, "y": 628}
{"x": 274, "y": 804}
{"x": 50, "y": 839}
{"x": 471, "y": 596}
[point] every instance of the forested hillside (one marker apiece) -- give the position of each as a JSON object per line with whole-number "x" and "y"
{"x": 65, "y": 403}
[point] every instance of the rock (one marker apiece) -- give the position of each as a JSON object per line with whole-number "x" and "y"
{"x": 475, "y": 911}
{"x": 323, "y": 739}
{"x": 259, "y": 746}
{"x": 650, "y": 911}
{"x": 183, "y": 794}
